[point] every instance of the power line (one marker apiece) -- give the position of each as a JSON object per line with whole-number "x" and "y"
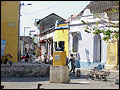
{"x": 44, "y": 9}
{"x": 27, "y": 14}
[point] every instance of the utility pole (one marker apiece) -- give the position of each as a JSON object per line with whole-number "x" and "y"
{"x": 20, "y": 5}
{"x": 18, "y": 51}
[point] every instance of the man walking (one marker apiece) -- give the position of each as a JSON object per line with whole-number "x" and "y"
{"x": 45, "y": 58}
{"x": 72, "y": 60}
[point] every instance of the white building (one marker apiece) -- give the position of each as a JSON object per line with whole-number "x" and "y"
{"x": 26, "y": 45}
{"x": 89, "y": 49}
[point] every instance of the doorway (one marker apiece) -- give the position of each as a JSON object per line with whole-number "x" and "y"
{"x": 97, "y": 48}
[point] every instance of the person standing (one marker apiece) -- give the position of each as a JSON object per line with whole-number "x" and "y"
{"x": 27, "y": 57}
{"x": 72, "y": 60}
{"x": 33, "y": 57}
{"x": 45, "y": 58}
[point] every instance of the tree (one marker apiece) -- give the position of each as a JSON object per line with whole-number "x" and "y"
{"x": 109, "y": 35}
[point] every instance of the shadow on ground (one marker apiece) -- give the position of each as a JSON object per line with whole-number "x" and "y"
{"x": 40, "y": 79}
{"x": 25, "y": 79}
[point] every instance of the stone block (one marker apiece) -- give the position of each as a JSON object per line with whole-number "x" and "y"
{"x": 59, "y": 74}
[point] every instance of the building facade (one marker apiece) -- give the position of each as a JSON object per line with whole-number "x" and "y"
{"x": 46, "y": 27}
{"x": 10, "y": 27}
{"x": 90, "y": 50}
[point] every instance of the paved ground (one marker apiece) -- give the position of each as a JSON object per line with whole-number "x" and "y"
{"x": 75, "y": 82}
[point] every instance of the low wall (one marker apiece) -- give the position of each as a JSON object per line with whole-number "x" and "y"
{"x": 24, "y": 70}
{"x": 89, "y": 65}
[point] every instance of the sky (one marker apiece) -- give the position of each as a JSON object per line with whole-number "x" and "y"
{"x": 41, "y": 9}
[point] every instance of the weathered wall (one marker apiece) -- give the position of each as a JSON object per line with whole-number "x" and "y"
{"x": 9, "y": 27}
{"x": 112, "y": 55}
{"x": 34, "y": 70}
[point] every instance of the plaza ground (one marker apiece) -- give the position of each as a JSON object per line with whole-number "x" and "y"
{"x": 75, "y": 82}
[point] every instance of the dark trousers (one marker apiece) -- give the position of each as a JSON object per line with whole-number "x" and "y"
{"x": 72, "y": 68}
{"x": 45, "y": 61}
{"x": 26, "y": 60}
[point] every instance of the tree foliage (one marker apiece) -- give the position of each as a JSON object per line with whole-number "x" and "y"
{"x": 109, "y": 35}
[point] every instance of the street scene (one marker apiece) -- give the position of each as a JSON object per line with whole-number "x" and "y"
{"x": 60, "y": 44}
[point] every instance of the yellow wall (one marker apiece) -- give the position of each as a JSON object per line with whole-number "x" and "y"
{"x": 62, "y": 35}
{"x": 61, "y": 58}
{"x": 112, "y": 55}
{"x": 10, "y": 16}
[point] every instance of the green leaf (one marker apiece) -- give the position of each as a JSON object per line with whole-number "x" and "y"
{"x": 108, "y": 32}
{"x": 33, "y": 38}
{"x": 87, "y": 31}
{"x": 106, "y": 38}
{"x": 116, "y": 35}
{"x": 117, "y": 2}
{"x": 87, "y": 27}
{"x": 102, "y": 31}
{"x": 83, "y": 22}
{"x": 97, "y": 31}
{"x": 114, "y": 10}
